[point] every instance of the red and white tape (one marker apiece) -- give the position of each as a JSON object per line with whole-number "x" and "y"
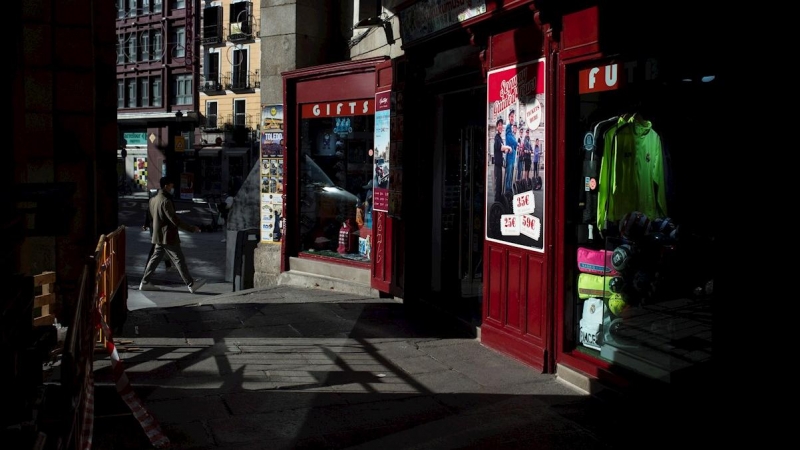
{"x": 88, "y": 408}
{"x": 148, "y": 423}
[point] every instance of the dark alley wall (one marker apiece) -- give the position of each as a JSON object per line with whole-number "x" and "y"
{"x": 61, "y": 183}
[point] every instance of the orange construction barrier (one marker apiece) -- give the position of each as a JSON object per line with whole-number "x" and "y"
{"x": 110, "y": 278}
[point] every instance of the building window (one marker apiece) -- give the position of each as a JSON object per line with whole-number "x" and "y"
{"x": 158, "y": 46}
{"x": 120, "y": 9}
{"x": 212, "y": 72}
{"x": 157, "y": 88}
{"x": 239, "y": 113}
{"x": 132, "y": 8}
{"x": 131, "y": 44}
{"x": 145, "y": 47}
{"x": 182, "y": 88}
{"x": 240, "y": 18}
{"x": 212, "y": 25}
{"x": 130, "y": 100}
{"x": 178, "y": 4}
{"x": 156, "y": 6}
{"x": 120, "y": 93}
{"x": 366, "y": 9}
{"x": 239, "y": 78}
{"x": 179, "y": 37}
{"x": 120, "y": 52}
{"x": 211, "y": 114}
{"x": 144, "y": 89}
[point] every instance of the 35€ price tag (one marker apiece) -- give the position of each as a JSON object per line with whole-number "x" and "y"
{"x": 530, "y": 226}
{"x": 509, "y": 225}
{"x": 524, "y": 203}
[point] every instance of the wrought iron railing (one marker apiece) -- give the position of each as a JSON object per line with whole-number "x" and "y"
{"x": 236, "y": 81}
{"x": 211, "y": 83}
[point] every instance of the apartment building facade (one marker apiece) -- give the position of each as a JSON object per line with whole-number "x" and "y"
{"x": 157, "y": 96}
{"x": 229, "y": 94}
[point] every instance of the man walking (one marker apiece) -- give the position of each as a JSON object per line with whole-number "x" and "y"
{"x": 166, "y": 239}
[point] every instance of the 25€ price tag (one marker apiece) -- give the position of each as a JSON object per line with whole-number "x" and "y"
{"x": 509, "y": 225}
{"x": 524, "y": 203}
{"x": 530, "y": 226}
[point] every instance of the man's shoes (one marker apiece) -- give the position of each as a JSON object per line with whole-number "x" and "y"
{"x": 148, "y": 287}
{"x": 196, "y": 285}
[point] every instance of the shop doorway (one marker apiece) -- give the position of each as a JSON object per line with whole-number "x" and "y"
{"x": 462, "y": 158}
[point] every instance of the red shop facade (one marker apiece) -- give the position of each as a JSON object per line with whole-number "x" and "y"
{"x": 530, "y": 168}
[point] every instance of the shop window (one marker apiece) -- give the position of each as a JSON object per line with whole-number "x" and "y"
{"x": 336, "y": 170}
{"x": 640, "y": 179}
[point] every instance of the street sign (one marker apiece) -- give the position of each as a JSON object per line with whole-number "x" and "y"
{"x": 180, "y": 143}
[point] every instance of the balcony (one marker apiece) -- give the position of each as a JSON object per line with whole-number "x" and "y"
{"x": 242, "y": 81}
{"x": 242, "y": 26}
{"x": 239, "y": 121}
{"x": 211, "y": 85}
{"x": 212, "y": 37}
{"x": 212, "y": 26}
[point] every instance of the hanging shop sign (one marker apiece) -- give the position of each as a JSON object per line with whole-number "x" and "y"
{"x": 137, "y": 138}
{"x": 515, "y": 175}
{"x": 381, "y": 168}
{"x": 424, "y": 18}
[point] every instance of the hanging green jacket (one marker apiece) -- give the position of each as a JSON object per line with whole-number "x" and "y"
{"x": 631, "y": 172}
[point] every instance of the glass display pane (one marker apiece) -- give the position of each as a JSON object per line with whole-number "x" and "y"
{"x": 641, "y": 241}
{"x": 336, "y": 164}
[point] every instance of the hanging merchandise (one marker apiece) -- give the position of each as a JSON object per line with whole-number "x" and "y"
{"x": 632, "y": 173}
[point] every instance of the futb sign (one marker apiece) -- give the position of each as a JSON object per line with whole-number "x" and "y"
{"x": 614, "y": 76}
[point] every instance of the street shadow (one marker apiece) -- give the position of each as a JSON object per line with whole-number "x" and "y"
{"x": 351, "y": 373}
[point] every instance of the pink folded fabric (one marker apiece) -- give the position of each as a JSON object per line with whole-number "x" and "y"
{"x": 597, "y": 262}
